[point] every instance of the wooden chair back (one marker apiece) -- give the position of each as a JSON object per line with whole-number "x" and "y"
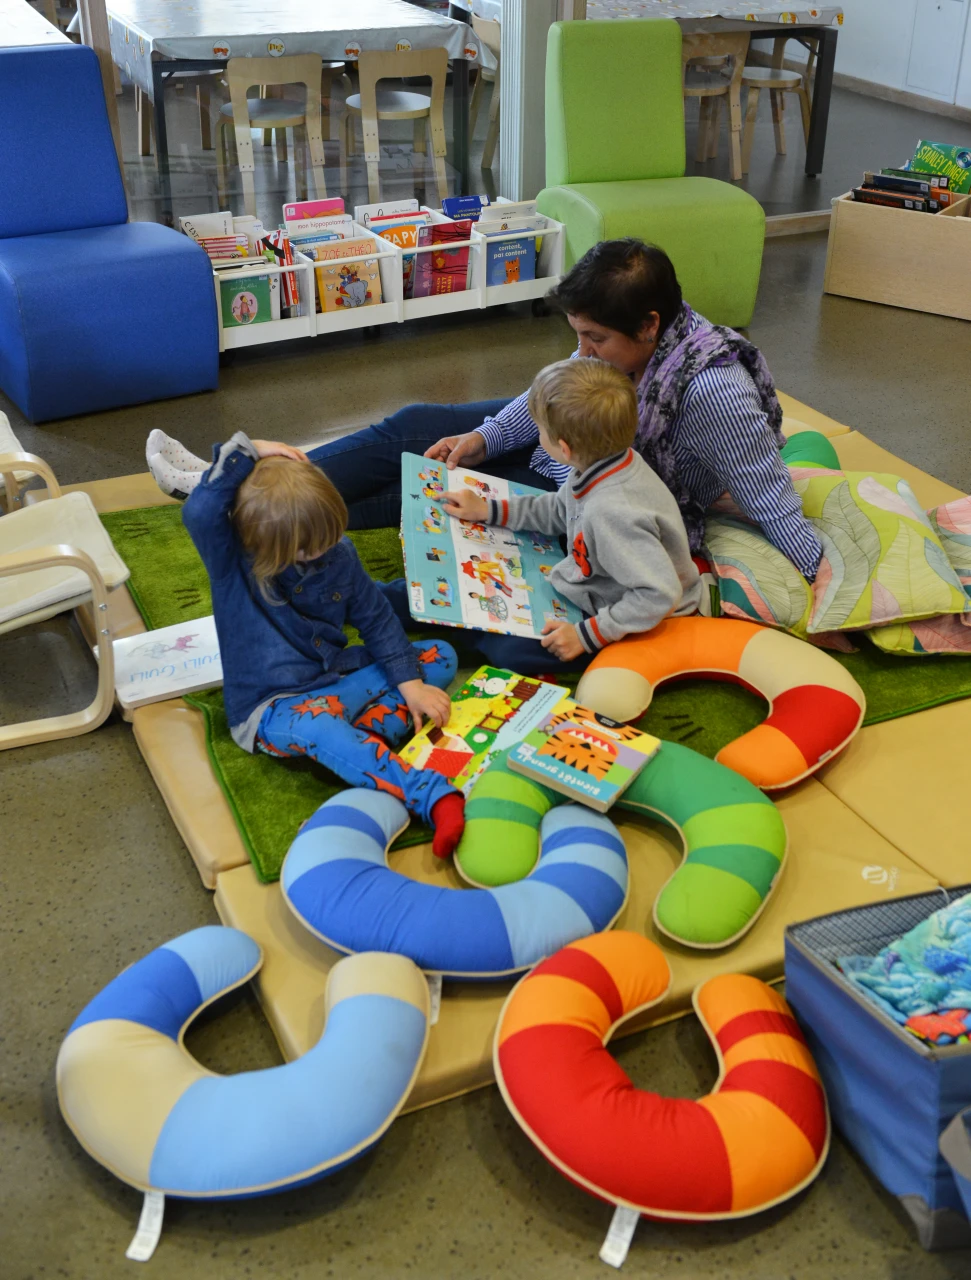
{"x": 393, "y": 65}
{"x": 243, "y": 74}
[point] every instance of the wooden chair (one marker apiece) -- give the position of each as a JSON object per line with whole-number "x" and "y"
{"x": 397, "y": 103}
{"x": 75, "y": 572}
{"x": 328, "y": 70}
{"x": 245, "y": 114}
{"x": 490, "y": 33}
{"x": 778, "y": 83}
{"x": 145, "y": 115}
{"x": 714, "y": 49}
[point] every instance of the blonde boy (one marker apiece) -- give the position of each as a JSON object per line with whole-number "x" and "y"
{"x": 628, "y": 564}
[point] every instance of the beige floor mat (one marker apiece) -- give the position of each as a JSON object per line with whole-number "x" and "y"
{"x": 835, "y": 861}
{"x": 910, "y": 779}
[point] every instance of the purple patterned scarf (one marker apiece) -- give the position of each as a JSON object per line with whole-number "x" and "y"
{"x": 680, "y": 356}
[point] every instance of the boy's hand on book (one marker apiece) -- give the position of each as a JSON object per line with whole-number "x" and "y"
{"x": 426, "y": 700}
{"x": 469, "y": 450}
{"x": 275, "y": 449}
{"x": 463, "y": 505}
{"x": 562, "y": 641}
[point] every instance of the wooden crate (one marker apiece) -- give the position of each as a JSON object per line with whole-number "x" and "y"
{"x": 921, "y": 261}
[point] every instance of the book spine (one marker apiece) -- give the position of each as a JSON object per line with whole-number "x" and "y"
{"x": 891, "y": 182}
{"x": 891, "y": 199}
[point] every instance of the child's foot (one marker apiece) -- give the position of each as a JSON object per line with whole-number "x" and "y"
{"x": 174, "y": 469}
{"x": 448, "y": 818}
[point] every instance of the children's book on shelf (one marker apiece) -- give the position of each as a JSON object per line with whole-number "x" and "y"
{"x": 950, "y": 160}
{"x": 583, "y": 755}
{"x": 443, "y": 270}
{"x": 491, "y": 712}
{"x": 465, "y": 206}
{"x": 483, "y": 577}
{"x": 911, "y": 185}
{"x": 301, "y": 210}
{"x": 892, "y": 199}
{"x": 245, "y": 298}
{"x": 153, "y": 666}
{"x": 510, "y": 261}
{"x": 368, "y": 214}
{"x": 200, "y": 226}
{"x": 346, "y": 285}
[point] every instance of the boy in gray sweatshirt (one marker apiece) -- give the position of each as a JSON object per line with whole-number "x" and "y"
{"x": 628, "y": 565}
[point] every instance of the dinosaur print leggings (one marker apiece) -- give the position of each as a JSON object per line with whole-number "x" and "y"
{"x": 351, "y": 725}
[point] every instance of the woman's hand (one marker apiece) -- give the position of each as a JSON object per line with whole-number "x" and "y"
{"x": 562, "y": 641}
{"x": 426, "y": 700}
{"x": 275, "y": 449}
{"x": 469, "y": 450}
{"x": 463, "y": 505}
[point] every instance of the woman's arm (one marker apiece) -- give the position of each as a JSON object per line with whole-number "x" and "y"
{"x": 723, "y": 424}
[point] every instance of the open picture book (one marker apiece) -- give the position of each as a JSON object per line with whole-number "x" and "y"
{"x": 479, "y": 576}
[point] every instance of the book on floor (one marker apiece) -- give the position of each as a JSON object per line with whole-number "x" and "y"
{"x": 461, "y": 574}
{"x": 166, "y": 663}
{"x": 583, "y": 755}
{"x": 492, "y": 711}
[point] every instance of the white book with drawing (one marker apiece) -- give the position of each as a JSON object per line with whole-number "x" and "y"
{"x": 167, "y": 663}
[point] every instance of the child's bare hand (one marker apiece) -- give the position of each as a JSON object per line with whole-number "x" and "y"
{"x": 562, "y": 641}
{"x": 464, "y": 505}
{"x": 426, "y": 700}
{"x": 275, "y": 449}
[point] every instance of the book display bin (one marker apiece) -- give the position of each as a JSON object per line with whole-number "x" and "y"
{"x": 890, "y": 1094}
{"x": 394, "y": 307}
{"x": 902, "y": 258}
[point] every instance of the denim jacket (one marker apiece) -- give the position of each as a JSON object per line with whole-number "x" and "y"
{"x": 298, "y": 644}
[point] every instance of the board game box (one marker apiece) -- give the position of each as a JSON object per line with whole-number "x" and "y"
{"x": 493, "y": 710}
{"x": 583, "y": 755}
{"x": 479, "y": 576}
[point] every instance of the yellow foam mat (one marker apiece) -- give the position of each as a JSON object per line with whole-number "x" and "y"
{"x": 910, "y": 779}
{"x": 800, "y": 417}
{"x": 835, "y": 861}
{"x": 857, "y": 453}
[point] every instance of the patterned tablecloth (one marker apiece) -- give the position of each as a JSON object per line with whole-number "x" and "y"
{"x": 826, "y": 15}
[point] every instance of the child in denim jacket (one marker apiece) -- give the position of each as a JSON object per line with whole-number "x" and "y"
{"x": 270, "y": 527}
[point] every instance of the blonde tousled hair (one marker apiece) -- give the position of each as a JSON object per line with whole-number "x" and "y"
{"x": 589, "y": 404}
{"x": 283, "y": 508}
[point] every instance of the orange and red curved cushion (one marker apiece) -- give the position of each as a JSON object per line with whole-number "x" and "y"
{"x": 815, "y": 705}
{"x": 758, "y": 1138}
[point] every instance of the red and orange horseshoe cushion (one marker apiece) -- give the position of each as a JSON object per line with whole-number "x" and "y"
{"x": 815, "y": 705}
{"x": 758, "y": 1138}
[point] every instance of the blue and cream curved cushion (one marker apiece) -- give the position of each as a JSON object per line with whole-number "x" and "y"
{"x": 145, "y": 1109}
{"x": 337, "y": 881}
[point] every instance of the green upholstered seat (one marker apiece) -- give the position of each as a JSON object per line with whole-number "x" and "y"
{"x": 615, "y": 157}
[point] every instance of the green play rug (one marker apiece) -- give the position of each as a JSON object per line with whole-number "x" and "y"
{"x": 271, "y": 798}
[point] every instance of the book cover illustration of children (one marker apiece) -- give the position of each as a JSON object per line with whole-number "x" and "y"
{"x": 442, "y": 598}
{"x": 436, "y": 554}
{"x": 433, "y": 521}
{"x": 156, "y": 649}
{"x": 245, "y": 307}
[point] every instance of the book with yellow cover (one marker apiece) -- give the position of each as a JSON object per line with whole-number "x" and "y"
{"x": 583, "y": 755}
{"x": 341, "y": 287}
{"x": 491, "y": 711}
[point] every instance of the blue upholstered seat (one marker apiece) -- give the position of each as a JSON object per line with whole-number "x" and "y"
{"x": 95, "y": 311}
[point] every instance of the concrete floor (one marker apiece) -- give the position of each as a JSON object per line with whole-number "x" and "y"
{"x": 93, "y": 872}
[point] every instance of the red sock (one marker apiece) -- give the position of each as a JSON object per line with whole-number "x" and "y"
{"x": 448, "y": 817}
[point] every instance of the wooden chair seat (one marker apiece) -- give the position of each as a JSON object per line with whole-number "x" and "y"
{"x": 770, "y": 78}
{"x": 269, "y": 113}
{"x": 395, "y": 104}
{"x": 778, "y": 82}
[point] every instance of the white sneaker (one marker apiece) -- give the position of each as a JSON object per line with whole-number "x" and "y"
{"x": 174, "y": 469}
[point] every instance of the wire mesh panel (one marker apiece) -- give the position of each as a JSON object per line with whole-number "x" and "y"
{"x": 863, "y": 931}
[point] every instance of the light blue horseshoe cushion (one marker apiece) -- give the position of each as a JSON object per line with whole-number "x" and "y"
{"x": 141, "y": 1106}
{"x": 337, "y": 881}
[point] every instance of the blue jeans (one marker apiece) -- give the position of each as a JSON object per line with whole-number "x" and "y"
{"x": 366, "y": 466}
{"x": 350, "y": 727}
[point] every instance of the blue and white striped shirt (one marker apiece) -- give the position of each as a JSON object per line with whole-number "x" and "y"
{"x": 722, "y": 443}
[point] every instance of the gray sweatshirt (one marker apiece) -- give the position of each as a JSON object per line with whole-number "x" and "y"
{"x": 629, "y": 564}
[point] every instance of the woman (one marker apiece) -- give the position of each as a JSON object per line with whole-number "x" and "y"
{"x": 709, "y": 417}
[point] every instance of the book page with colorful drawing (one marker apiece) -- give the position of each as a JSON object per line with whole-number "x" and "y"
{"x": 155, "y": 665}
{"x": 492, "y": 711}
{"x": 478, "y": 576}
{"x": 583, "y": 755}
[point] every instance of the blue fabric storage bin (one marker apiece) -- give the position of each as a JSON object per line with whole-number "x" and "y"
{"x": 955, "y": 1145}
{"x": 890, "y": 1094}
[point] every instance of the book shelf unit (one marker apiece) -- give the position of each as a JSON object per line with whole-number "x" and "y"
{"x": 394, "y": 307}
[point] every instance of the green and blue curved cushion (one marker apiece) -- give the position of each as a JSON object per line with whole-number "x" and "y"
{"x": 337, "y": 881}
{"x": 144, "y": 1108}
{"x": 734, "y": 839}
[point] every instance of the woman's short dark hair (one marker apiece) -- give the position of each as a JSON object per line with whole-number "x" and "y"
{"x": 618, "y": 283}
